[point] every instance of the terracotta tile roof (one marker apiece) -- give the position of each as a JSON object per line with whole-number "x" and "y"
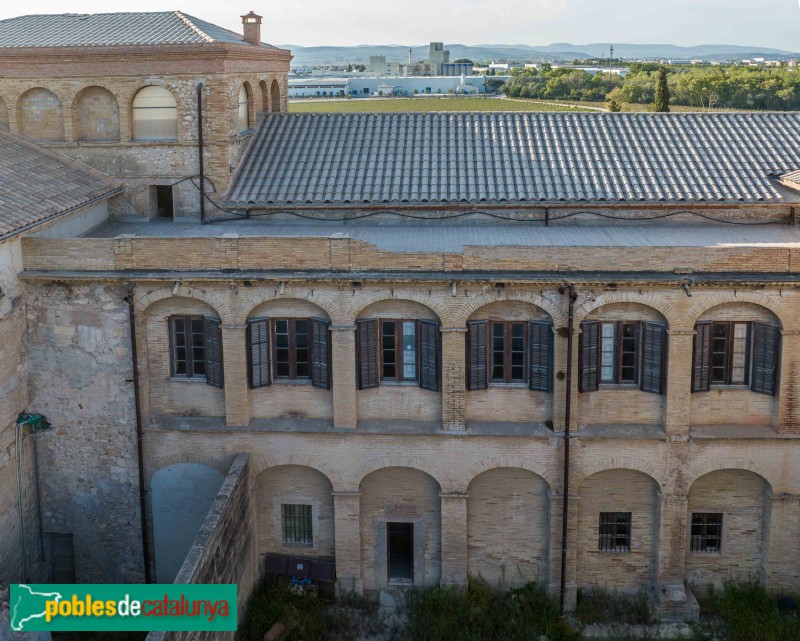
{"x": 109, "y": 29}
{"x": 416, "y": 158}
{"x": 38, "y": 185}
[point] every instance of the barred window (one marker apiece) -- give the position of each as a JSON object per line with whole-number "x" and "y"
{"x": 706, "y": 532}
{"x": 296, "y": 524}
{"x": 615, "y": 532}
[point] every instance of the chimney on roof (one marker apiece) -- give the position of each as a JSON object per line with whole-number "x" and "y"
{"x": 251, "y": 27}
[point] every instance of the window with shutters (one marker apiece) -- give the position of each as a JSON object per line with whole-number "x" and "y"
{"x": 622, "y": 353}
{"x": 398, "y": 350}
{"x": 187, "y": 338}
{"x": 738, "y": 354}
{"x": 297, "y": 524}
{"x": 615, "y": 532}
{"x": 289, "y": 350}
{"x": 706, "y": 533}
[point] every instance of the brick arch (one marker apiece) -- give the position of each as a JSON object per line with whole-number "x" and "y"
{"x": 127, "y": 97}
{"x": 473, "y": 305}
{"x": 580, "y": 473}
{"x": 263, "y": 89}
{"x": 699, "y": 470}
{"x": 259, "y": 464}
{"x": 184, "y": 291}
{"x": 611, "y": 298}
{"x": 364, "y": 300}
{"x": 549, "y": 475}
{"x": 419, "y": 463}
{"x": 75, "y": 111}
{"x": 249, "y": 303}
{"x": 762, "y": 300}
{"x": 56, "y": 131}
{"x": 275, "y": 95}
{"x": 220, "y": 463}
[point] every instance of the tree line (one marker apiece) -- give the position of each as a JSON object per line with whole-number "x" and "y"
{"x": 702, "y": 87}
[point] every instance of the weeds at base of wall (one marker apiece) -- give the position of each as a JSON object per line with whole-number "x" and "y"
{"x": 599, "y": 605}
{"x": 99, "y": 636}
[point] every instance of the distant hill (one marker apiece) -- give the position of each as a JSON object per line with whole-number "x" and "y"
{"x": 311, "y": 56}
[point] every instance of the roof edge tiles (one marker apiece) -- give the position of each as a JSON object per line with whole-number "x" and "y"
{"x": 531, "y": 158}
{"x": 38, "y": 185}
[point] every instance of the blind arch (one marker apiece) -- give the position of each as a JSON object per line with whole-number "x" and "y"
{"x": 155, "y": 114}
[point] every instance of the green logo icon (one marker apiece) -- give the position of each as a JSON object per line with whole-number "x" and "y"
{"x": 121, "y": 607}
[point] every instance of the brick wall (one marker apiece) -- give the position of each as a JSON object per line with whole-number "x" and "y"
{"x": 224, "y": 550}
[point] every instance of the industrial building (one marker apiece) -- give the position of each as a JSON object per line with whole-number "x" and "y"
{"x": 362, "y": 86}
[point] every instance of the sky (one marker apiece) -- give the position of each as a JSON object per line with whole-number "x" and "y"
{"x": 764, "y": 23}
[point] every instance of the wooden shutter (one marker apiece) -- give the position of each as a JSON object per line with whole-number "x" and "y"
{"x": 654, "y": 344}
{"x": 258, "y": 354}
{"x": 320, "y": 353}
{"x": 429, "y": 355}
{"x": 540, "y": 356}
{"x": 213, "y": 351}
{"x": 766, "y": 351}
{"x": 589, "y": 356}
{"x": 367, "y": 357}
{"x": 477, "y": 372}
{"x": 701, "y": 357}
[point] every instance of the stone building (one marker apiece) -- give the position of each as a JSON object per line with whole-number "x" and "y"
{"x": 122, "y": 92}
{"x": 380, "y": 319}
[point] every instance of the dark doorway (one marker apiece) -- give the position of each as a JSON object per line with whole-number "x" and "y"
{"x": 400, "y": 539}
{"x": 164, "y": 201}
{"x": 62, "y": 558}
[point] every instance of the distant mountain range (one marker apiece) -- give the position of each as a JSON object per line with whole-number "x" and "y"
{"x": 313, "y": 56}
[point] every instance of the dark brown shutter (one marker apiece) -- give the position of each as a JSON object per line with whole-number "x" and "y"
{"x": 540, "y": 356}
{"x": 258, "y": 353}
{"x": 654, "y": 351}
{"x": 429, "y": 355}
{"x": 766, "y": 351}
{"x": 701, "y": 357}
{"x": 477, "y": 335}
{"x": 213, "y": 351}
{"x": 320, "y": 353}
{"x": 589, "y": 356}
{"x": 367, "y": 358}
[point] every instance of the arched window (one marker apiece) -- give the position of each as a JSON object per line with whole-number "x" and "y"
{"x": 155, "y": 115}
{"x": 275, "y": 97}
{"x": 244, "y": 109}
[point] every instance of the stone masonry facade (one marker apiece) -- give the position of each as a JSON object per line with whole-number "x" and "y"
{"x": 478, "y": 474}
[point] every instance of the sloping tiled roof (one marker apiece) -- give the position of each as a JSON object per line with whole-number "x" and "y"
{"x": 108, "y": 29}
{"x": 415, "y": 158}
{"x": 37, "y": 185}
{"x": 792, "y": 177}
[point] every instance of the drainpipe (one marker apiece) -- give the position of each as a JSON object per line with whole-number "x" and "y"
{"x": 200, "y": 153}
{"x": 139, "y": 435}
{"x": 567, "y": 401}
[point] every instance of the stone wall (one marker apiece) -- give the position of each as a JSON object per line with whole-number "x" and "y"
{"x": 224, "y": 550}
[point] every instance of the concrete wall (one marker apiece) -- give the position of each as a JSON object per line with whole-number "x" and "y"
{"x": 224, "y": 550}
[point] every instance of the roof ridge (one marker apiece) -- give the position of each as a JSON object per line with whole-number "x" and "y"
{"x": 193, "y": 26}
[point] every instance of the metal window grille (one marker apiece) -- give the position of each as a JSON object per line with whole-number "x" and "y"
{"x": 706, "y": 532}
{"x": 296, "y": 522}
{"x": 615, "y": 532}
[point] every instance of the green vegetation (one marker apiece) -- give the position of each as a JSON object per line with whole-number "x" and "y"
{"x": 479, "y": 614}
{"x": 376, "y": 105}
{"x": 701, "y": 87}
{"x": 597, "y": 605}
{"x": 744, "y": 612}
{"x": 99, "y": 636}
{"x": 661, "y": 100}
{"x": 309, "y": 617}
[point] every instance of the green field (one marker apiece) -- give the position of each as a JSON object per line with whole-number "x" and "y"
{"x": 378, "y": 105}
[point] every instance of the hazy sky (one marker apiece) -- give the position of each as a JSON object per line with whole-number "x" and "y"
{"x": 766, "y": 23}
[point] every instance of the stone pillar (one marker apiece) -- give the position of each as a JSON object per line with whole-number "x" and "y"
{"x": 672, "y": 538}
{"x": 453, "y": 378}
{"x": 789, "y": 383}
{"x": 781, "y": 545}
{"x": 556, "y": 538}
{"x": 560, "y": 373}
{"x": 347, "y": 534}
{"x": 343, "y": 350}
{"x": 454, "y": 538}
{"x": 237, "y": 388}
{"x": 679, "y": 382}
